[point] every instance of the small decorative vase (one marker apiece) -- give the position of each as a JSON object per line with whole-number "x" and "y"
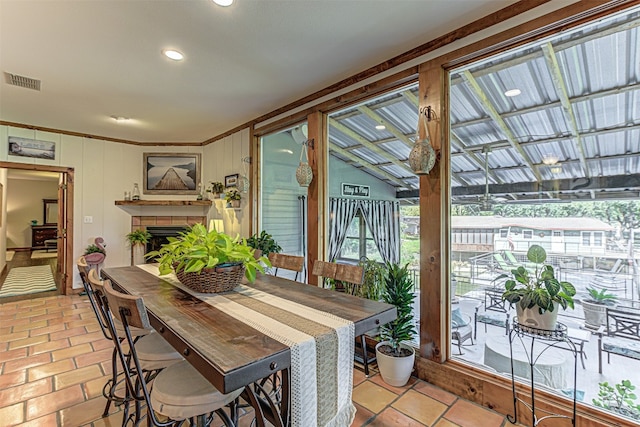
{"x": 304, "y": 174}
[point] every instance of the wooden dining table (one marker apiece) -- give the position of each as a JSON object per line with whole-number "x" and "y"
{"x": 233, "y": 353}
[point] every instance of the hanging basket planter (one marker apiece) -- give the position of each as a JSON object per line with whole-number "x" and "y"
{"x": 422, "y": 157}
{"x": 304, "y": 173}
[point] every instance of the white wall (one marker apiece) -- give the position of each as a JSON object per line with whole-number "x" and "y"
{"x": 3, "y": 218}
{"x": 24, "y": 204}
{"x": 104, "y": 170}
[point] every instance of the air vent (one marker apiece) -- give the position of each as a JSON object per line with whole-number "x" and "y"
{"x": 22, "y": 81}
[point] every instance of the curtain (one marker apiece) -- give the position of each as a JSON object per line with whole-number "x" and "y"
{"x": 342, "y": 212}
{"x": 383, "y": 220}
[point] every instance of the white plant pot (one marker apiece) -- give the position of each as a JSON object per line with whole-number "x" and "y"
{"x": 137, "y": 254}
{"x": 532, "y": 318}
{"x": 395, "y": 371}
{"x": 594, "y": 314}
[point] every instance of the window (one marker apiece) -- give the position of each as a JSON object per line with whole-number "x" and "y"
{"x": 586, "y": 238}
{"x": 359, "y": 243}
{"x": 504, "y": 233}
{"x": 597, "y": 238}
{"x": 590, "y": 238}
{"x": 527, "y": 234}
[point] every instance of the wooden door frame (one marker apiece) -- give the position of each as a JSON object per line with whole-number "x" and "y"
{"x": 67, "y": 289}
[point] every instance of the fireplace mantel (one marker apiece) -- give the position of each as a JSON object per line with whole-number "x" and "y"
{"x": 165, "y": 207}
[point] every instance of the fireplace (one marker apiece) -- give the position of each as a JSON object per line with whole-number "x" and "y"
{"x": 159, "y": 236}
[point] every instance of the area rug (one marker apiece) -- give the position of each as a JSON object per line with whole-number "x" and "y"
{"x": 10, "y": 255}
{"x": 28, "y": 280}
{"x": 43, "y": 254}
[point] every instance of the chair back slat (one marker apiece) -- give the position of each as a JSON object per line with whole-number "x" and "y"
{"x": 324, "y": 269}
{"x": 288, "y": 262}
{"x": 129, "y": 309}
{"x": 353, "y": 274}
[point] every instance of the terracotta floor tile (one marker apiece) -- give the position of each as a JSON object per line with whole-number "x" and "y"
{"x": 30, "y": 313}
{"x": 93, "y": 388}
{"x": 443, "y": 422}
{"x": 372, "y": 396}
{"x": 469, "y": 414}
{"x": 46, "y": 330}
{"x": 26, "y": 391}
{"x": 13, "y": 379}
{"x": 391, "y": 417}
{"x": 68, "y": 333}
{"x": 397, "y": 390}
{"x": 26, "y": 342}
{"x": 30, "y": 325}
{"x": 52, "y": 402}
{"x": 49, "y": 346}
{"x": 12, "y": 415}
{"x": 50, "y": 420}
{"x": 27, "y": 362}
{"x": 93, "y": 328}
{"x": 87, "y": 338}
{"x": 76, "y": 376}
{"x": 102, "y": 344}
{"x": 14, "y": 337}
{"x": 48, "y": 317}
{"x": 36, "y": 302}
{"x": 362, "y": 416}
{"x": 18, "y": 353}
{"x": 420, "y": 407}
{"x": 95, "y": 357}
{"x": 435, "y": 392}
{"x": 50, "y": 369}
{"x": 113, "y": 420}
{"x": 71, "y": 351}
{"x": 82, "y": 413}
{"x": 81, "y": 322}
{"x": 358, "y": 377}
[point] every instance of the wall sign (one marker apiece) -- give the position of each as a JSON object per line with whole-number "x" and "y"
{"x": 355, "y": 190}
{"x": 25, "y": 147}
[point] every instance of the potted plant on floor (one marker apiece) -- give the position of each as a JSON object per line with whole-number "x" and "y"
{"x": 208, "y": 261}
{"x": 595, "y": 307}
{"x": 395, "y": 359}
{"x": 138, "y": 240}
{"x": 264, "y": 243}
{"x": 536, "y": 292}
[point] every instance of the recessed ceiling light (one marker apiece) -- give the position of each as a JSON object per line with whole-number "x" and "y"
{"x": 381, "y": 127}
{"x": 120, "y": 119}
{"x": 512, "y": 92}
{"x": 550, "y": 159}
{"x": 173, "y": 54}
{"x": 223, "y": 2}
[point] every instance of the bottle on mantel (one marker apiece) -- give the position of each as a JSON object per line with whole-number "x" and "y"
{"x": 135, "y": 194}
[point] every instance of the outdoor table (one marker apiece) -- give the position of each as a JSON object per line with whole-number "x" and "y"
{"x": 219, "y": 336}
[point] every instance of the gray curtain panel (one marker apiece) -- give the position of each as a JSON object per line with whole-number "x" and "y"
{"x": 383, "y": 220}
{"x": 341, "y": 213}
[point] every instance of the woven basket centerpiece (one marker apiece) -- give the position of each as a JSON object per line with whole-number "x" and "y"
{"x": 221, "y": 278}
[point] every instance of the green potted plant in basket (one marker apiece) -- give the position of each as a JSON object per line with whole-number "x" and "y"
{"x": 536, "y": 292}
{"x": 138, "y": 240}
{"x": 216, "y": 189}
{"x": 395, "y": 359}
{"x": 595, "y": 307}
{"x": 265, "y": 243}
{"x": 208, "y": 261}
{"x": 233, "y": 198}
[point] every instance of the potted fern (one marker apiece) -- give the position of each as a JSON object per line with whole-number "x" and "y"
{"x": 536, "y": 292}
{"x": 208, "y": 261}
{"x": 217, "y": 190}
{"x": 595, "y": 307}
{"x": 264, "y": 243}
{"x": 233, "y": 198}
{"x": 396, "y": 359}
{"x": 138, "y": 240}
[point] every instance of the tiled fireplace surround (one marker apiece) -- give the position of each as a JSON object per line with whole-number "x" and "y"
{"x": 141, "y": 222}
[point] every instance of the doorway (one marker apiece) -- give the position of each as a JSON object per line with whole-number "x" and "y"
{"x": 62, "y": 235}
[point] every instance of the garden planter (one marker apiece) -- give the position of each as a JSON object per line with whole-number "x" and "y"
{"x": 137, "y": 254}
{"x": 594, "y": 314}
{"x": 395, "y": 371}
{"x": 532, "y": 318}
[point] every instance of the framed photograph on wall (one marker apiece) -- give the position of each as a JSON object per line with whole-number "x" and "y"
{"x": 171, "y": 173}
{"x": 231, "y": 180}
{"x": 25, "y": 147}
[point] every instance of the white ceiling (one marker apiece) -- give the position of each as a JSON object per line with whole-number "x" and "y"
{"x": 101, "y": 58}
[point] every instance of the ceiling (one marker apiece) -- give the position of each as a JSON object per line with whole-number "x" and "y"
{"x": 102, "y": 58}
{"x": 573, "y": 133}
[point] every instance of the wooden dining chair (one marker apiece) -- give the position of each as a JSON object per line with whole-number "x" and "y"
{"x": 326, "y": 270}
{"x": 286, "y": 262}
{"x": 154, "y": 352}
{"x": 179, "y": 391}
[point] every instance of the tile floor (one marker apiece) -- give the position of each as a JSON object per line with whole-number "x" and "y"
{"x": 54, "y": 361}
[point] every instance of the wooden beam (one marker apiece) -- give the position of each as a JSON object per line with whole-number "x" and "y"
{"x": 567, "y": 108}
{"x": 316, "y": 211}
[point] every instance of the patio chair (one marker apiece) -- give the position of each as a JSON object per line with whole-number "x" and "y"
{"x": 461, "y": 330}
{"x": 287, "y": 262}
{"x": 502, "y": 264}
{"x": 179, "y": 391}
{"x": 496, "y": 312}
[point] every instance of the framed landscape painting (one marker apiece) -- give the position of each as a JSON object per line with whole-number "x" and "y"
{"x": 171, "y": 173}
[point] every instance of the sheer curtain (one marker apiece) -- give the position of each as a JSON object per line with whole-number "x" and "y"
{"x": 342, "y": 212}
{"x": 383, "y": 220}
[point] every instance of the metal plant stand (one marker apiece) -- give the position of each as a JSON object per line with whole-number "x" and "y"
{"x": 546, "y": 339}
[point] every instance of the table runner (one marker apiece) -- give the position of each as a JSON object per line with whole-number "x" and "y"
{"x": 321, "y": 344}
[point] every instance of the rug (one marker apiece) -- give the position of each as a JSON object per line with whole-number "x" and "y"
{"x": 10, "y": 255}
{"x": 43, "y": 254}
{"x": 28, "y": 280}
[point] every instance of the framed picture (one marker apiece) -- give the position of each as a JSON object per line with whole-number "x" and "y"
{"x": 24, "y": 147}
{"x": 171, "y": 173}
{"x": 231, "y": 180}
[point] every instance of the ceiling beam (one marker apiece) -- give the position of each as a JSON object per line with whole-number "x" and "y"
{"x": 561, "y": 90}
{"x": 367, "y": 144}
{"x": 490, "y": 109}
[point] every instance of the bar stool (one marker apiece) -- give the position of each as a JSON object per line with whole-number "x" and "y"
{"x": 154, "y": 352}
{"x": 179, "y": 392}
